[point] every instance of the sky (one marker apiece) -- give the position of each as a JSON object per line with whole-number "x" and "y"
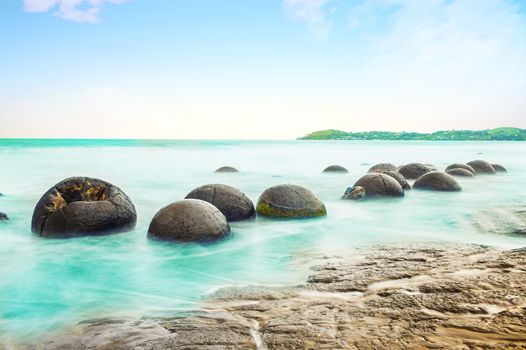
{"x": 272, "y": 69}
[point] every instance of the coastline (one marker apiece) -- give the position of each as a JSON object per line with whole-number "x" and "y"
{"x": 386, "y": 297}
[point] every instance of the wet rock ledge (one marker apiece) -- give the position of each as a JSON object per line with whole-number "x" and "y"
{"x": 392, "y": 297}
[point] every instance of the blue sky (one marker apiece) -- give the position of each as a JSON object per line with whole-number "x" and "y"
{"x": 258, "y": 69}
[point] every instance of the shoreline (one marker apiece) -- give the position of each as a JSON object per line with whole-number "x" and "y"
{"x": 427, "y": 295}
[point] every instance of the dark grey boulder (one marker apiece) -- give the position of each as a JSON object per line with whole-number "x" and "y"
{"x": 397, "y": 176}
{"x": 3, "y": 216}
{"x": 381, "y": 167}
{"x": 380, "y": 185}
{"x": 460, "y": 166}
{"x": 233, "y": 203}
{"x": 335, "y": 169}
{"x": 437, "y": 181}
{"x": 354, "y": 193}
{"x": 460, "y": 172}
{"x": 189, "y": 220}
{"x": 482, "y": 167}
{"x": 227, "y": 169}
{"x": 83, "y": 206}
{"x": 499, "y": 168}
{"x": 290, "y": 201}
{"x": 413, "y": 171}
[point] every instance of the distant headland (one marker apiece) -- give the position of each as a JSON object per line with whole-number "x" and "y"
{"x": 498, "y": 134}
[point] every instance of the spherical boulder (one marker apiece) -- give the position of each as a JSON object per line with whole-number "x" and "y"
{"x": 380, "y": 185}
{"x": 460, "y": 172}
{"x": 460, "y": 166}
{"x": 83, "y": 206}
{"x": 437, "y": 181}
{"x": 227, "y": 169}
{"x": 414, "y": 170}
{"x": 189, "y": 220}
{"x": 3, "y": 216}
{"x": 381, "y": 167}
{"x": 482, "y": 167}
{"x": 354, "y": 193}
{"x": 290, "y": 201}
{"x": 398, "y": 177}
{"x": 499, "y": 168}
{"x": 335, "y": 169}
{"x": 233, "y": 203}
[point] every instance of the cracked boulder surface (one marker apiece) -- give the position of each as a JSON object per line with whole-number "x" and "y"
{"x": 380, "y": 185}
{"x": 82, "y": 206}
{"x": 189, "y": 220}
{"x": 437, "y": 181}
{"x": 290, "y": 201}
{"x": 233, "y": 203}
{"x": 413, "y": 171}
{"x": 395, "y": 175}
{"x": 424, "y": 296}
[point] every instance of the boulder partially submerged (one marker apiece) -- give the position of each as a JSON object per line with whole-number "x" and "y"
{"x": 378, "y": 185}
{"x": 413, "y": 171}
{"x": 82, "y": 206}
{"x": 189, "y": 220}
{"x": 3, "y": 216}
{"x": 398, "y": 177}
{"x": 381, "y": 167}
{"x": 460, "y": 172}
{"x": 227, "y": 169}
{"x": 290, "y": 201}
{"x": 233, "y": 203}
{"x": 460, "y": 166}
{"x": 437, "y": 181}
{"x": 482, "y": 167}
{"x": 335, "y": 169}
{"x": 499, "y": 168}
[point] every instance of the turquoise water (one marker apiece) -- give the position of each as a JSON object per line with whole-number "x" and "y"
{"x": 48, "y": 284}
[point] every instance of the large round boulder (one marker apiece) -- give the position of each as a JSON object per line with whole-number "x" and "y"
{"x": 437, "y": 181}
{"x": 381, "y": 167}
{"x": 335, "y": 169}
{"x": 460, "y": 166}
{"x": 189, "y": 220}
{"x": 290, "y": 201}
{"x": 460, "y": 172}
{"x": 233, "y": 203}
{"x": 227, "y": 169}
{"x": 482, "y": 167}
{"x": 379, "y": 185}
{"x": 81, "y": 206}
{"x": 413, "y": 171}
{"x": 499, "y": 168}
{"x": 397, "y": 176}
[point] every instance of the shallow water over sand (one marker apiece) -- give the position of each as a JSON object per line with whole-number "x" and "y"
{"x": 47, "y": 284}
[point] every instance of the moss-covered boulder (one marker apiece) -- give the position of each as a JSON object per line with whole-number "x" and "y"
{"x": 381, "y": 167}
{"x": 413, "y": 171}
{"x": 482, "y": 167}
{"x": 377, "y": 185}
{"x": 81, "y": 206}
{"x": 289, "y": 201}
{"x": 460, "y": 166}
{"x": 460, "y": 172}
{"x": 189, "y": 220}
{"x": 227, "y": 169}
{"x": 437, "y": 181}
{"x": 233, "y": 203}
{"x": 338, "y": 169}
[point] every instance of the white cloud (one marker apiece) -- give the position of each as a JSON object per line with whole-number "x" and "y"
{"x": 312, "y": 12}
{"x": 84, "y": 11}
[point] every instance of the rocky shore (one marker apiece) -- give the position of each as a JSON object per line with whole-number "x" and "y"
{"x": 424, "y": 296}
